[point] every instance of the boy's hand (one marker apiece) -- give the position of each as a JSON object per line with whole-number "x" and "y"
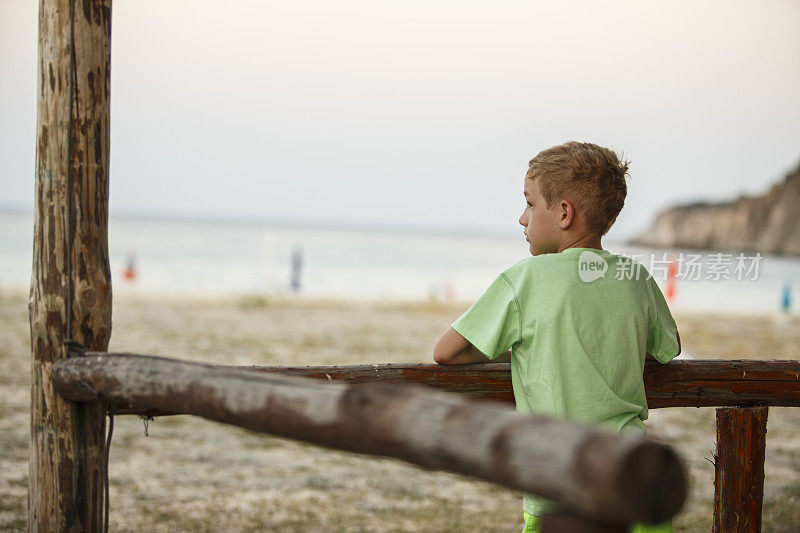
{"x": 453, "y": 349}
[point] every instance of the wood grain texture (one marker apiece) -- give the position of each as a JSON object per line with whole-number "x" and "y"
{"x": 739, "y": 469}
{"x": 67, "y": 440}
{"x": 722, "y": 383}
{"x": 619, "y": 478}
{"x": 697, "y": 383}
{"x": 485, "y": 382}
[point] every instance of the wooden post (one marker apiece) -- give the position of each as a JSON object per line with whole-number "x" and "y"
{"x": 70, "y": 259}
{"x": 616, "y": 478}
{"x": 739, "y": 469}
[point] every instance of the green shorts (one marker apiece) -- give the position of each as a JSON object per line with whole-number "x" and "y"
{"x": 533, "y": 525}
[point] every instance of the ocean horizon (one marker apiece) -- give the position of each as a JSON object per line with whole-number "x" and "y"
{"x": 158, "y": 254}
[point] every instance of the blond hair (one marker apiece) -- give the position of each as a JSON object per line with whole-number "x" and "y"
{"x": 588, "y": 175}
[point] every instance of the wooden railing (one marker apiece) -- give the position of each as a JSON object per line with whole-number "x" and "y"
{"x": 603, "y": 478}
{"x": 689, "y": 383}
{"x": 743, "y": 390}
{"x": 692, "y": 383}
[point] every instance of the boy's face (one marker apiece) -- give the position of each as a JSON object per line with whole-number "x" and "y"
{"x": 542, "y": 228}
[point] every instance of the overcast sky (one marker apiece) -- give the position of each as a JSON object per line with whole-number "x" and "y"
{"x": 421, "y": 114}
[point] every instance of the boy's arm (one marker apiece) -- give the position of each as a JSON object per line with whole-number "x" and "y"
{"x": 491, "y": 323}
{"x": 454, "y": 349}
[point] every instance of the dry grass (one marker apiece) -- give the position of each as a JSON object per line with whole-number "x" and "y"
{"x": 195, "y": 475}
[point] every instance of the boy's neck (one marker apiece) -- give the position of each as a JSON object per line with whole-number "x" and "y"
{"x": 586, "y": 241}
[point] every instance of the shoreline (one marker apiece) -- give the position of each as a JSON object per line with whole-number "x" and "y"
{"x": 255, "y": 298}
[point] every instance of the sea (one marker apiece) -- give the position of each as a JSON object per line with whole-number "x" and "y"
{"x": 160, "y": 255}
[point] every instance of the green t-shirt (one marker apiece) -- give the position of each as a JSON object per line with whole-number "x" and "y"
{"x": 578, "y": 324}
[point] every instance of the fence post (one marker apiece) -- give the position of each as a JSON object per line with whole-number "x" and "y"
{"x": 739, "y": 469}
{"x": 70, "y": 259}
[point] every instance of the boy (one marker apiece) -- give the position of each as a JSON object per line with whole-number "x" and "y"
{"x": 575, "y": 321}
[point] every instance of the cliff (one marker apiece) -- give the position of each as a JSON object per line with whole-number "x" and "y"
{"x": 769, "y": 223}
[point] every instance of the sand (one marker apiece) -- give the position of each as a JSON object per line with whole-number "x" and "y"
{"x": 194, "y": 475}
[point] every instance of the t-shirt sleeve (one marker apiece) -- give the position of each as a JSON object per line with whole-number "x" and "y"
{"x": 492, "y": 324}
{"x": 662, "y": 336}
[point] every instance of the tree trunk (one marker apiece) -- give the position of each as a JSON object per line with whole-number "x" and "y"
{"x": 70, "y": 259}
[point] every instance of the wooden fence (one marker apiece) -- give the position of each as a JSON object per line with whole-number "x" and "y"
{"x": 612, "y": 478}
{"x": 146, "y": 385}
{"x": 743, "y": 390}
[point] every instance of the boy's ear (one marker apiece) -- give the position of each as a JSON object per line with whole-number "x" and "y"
{"x": 567, "y": 214}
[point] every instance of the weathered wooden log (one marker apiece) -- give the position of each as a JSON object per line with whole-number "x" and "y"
{"x": 70, "y": 259}
{"x": 723, "y": 383}
{"x": 739, "y": 469}
{"x": 484, "y": 382}
{"x": 697, "y": 383}
{"x": 614, "y": 477}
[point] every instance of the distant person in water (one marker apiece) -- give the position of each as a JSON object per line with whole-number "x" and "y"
{"x": 576, "y": 321}
{"x": 786, "y": 299}
{"x": 129, "y": 274}
{"x": 297, "y": 269}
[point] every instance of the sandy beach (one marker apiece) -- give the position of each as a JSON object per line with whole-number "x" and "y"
{"x": 194, "y": 475}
